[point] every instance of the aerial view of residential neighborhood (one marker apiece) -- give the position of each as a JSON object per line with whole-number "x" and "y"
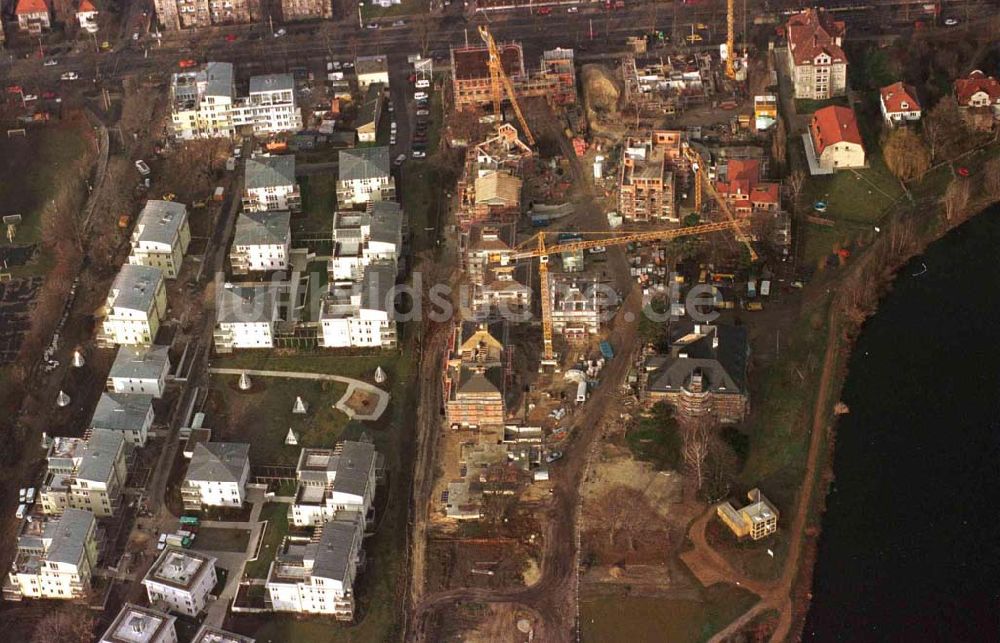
{"x": 499, "y": 320}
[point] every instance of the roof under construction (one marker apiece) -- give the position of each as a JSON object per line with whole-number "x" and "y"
{"x": 469, "y": 63}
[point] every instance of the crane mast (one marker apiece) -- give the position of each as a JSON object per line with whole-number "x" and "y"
{"x": 730, "y": 38}
{"x": 500, "y": 83}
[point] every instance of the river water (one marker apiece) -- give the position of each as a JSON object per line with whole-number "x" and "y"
{"x": 910, "y": 546}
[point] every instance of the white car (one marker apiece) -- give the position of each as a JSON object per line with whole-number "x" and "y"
{"x": 419, "y": 154}
{"x": 22, "y": 494}
{"x": 280, "y": 32}
{"x": 392, "y": 140}
{"x": 420, "y": 96}
{"x": 161, "y": 544}
{"x": 51, "y": 62}
{"x": 399, "y": 159}
{"x": 391, "y": 108}
{"x": 142, "y": 167}
{"x": 423, "y": 83}
{"x": 572, "y": 10}
{"x": 22, "y": 511}
{"x": 135, "y": 35}
{"x": 393, "y": 126}
{"x": 29, "y": 97}
{"x": 70, "y": 75}
{"x": 423, "y": 112}
{"x": 950, "y": 22}
{"x": 30, "y": 497}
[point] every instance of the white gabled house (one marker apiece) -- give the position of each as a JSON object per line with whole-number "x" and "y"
{"x": 246, "y": 317}
{"x": 140, "y": 370}
{"x": 129, "y": 414}
{"x": 136, "y": 305}
{"x": 269, "y": 184}
{"x": 217, "y": 475}
{"x": 364, "y": 177}
{"x": 261, "y": 243}
{"x": 899, "y": 104}
{"x": 161, "y": 237}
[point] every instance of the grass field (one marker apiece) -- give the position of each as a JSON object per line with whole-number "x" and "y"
{"x": 644, "y": 619}
{"x": 276, "y": 515}
{"x": 219, "y": 539}
{"x": 262, "y": 416}
{"x": 319, "y": 201}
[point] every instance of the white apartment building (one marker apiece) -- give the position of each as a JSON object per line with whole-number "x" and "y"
{"x": 131, "y": 415}
{"x": 269, "y": 184}
{"x": 361, "y": 238}
{"x": 161, "y": 237}
{"x": 208, "y": 634}
{"x": 579, "y": 308}
{"x": 136, "y": 624}
{"x": 55, "y": 558}
{"x": 246, "y": 317}
{"x": 818, "y": 64}
{"x": 316, "y": 576}
{"x": 86, "y": 474}
{"x": 362, "y": 314}
{"x": 182, "y": 579}
{"x": 261, "y": 242}
{"x": 140, "y": 370}
{"x": 204, "y": 104}
{"x": 136, "y": 304}
{"x": 270, "y": 108}
{"x": 217, "y": 475}
{"x": 334, "y": 481}
{"x": 364, "y": 177}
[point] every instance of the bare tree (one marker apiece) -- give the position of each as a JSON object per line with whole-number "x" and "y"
{"x": 697, "y": 436}
{"x": 621, "y": 512}
{"x": 779, "y": 145}
{"x": 956, "y": 197}
{"x": 796, "y": 182}
{"x": 905, "y": 154}
{"x": 944, "y": 129}
{"x": 66, "y": 625}
{"x": 991, "y": 178}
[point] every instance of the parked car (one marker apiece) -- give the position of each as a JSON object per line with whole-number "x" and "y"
{"x": 22, "y": 511}
{"x": 399, "y": 23}
{"x": 399, "y": 159}
{"x": 391, "y": 108}
{"x": 423, "y": 83}
{"x": 30, "y": 497}
{"x": 51, "y": 62}
{"x": 142, "y": 167}
{"x": 50, "y": 95}
{"x": 423, "y": 112}
{"x": 280, "y": 32}
{"x": 553, "y": 456}
{"x": 392, "y": 126}
{"x": 161, "y": 544}
{"x": 372, "y": 25}
{"x": 420, "y": 96}
{"x": 392, "y": 139}
{"x": 231, "y": 37}
{"x": 348, "y": 65}
{"x": 950, "y": 22}
{"x": 22, "y": 494}
{"x": 544, "y": 11}
{"x": 187, "y": 63}
{"x": 70, "y": 75}
{"x": 419, "y": 154}
{"x": 572, "y": 10}
{"x": 29, "y": 97}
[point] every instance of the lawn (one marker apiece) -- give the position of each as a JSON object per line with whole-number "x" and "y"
{"x": 641, "y": 619}
{"x": 420, "y": 180}
{"x": 808, "y": 105}
{"x": 221, "y": 539}
{"x": 276, "y": 515}
{"x": 319, "y": 201}
{"x": 263, "y": 415}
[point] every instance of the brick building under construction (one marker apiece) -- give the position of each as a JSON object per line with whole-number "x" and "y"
{"x": 555, "y": 80}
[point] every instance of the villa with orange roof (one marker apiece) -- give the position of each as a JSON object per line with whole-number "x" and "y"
{"x": 33, "y": 16}
{"x": 817, "y": 61}
{"x": 86, "y": 15}
{"x": 978, "y": 93}
{"x": 899, "y": 103}
{"x": 835, "y": 140}
{"x": 744, "y": 191}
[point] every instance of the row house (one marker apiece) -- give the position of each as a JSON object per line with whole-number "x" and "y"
{"x": 140, "y": 370}
{"x": 364, "y": 177}
{"x": 135, "y": 307}
{"x": 578, "y": 308}
{"x": 175, "y": 15}
{"x": 474, "y": 377}
{"x": 490, "y": 185}
{"x": 269, "y": 184}
{"x": 261, "y": 243}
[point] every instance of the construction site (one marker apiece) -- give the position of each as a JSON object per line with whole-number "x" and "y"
{"x": 636, "y": 217}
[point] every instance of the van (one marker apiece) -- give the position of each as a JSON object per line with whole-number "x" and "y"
{"x": 581, "y": 392}
{"x": 22, "y": 510}
{"x": 423, "y": 83}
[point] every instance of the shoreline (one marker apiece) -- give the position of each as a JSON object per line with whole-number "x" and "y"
{"x": 860, "y": 292}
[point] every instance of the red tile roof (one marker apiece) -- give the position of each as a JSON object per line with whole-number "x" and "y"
{"x": 894, "y": 95}
{"x": 832, "y": 125}
{"x": 766, "y": 193}
{"x": 977, "y": 81}
{"x": 86, "y": 6}
{"x": 31, "y": 6}
{"x": 811, "y": 32}
{"x": 742, "y": 175}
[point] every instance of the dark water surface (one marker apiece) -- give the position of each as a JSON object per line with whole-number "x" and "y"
{"x": 910, "y": 549}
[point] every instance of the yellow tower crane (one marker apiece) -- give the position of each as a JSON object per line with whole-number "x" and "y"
{"x": 701, "y": 181}
{"x": 500, "y": 83}
{"x": 730, "y": 38}
{"x": 543, "y": 252}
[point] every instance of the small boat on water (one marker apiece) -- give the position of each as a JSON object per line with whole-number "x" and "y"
{"x": 923, "y": 269}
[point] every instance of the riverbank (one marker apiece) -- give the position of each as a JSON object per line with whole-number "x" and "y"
{"x": 858, "y": 293}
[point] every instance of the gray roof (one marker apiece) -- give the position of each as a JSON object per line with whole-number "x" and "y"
{"x": 722, "y": 367}
{"x": 353, "y": 465}
{"x": 262, "y": 228}
{"x": 140, "y": 362}
{"x": 218, "y": 461}
{"x": 337, "y": 546}
{"x": 370, "y": 65}
{"x": 386, "y": 222}
{"x": 368, "y": 111}
{"x": 364, "y": 163}
{"x": 99, "y": 456}
{"x": 272, "y": 83}
{"x": 136, "y": 624}
{"x": 68, "y": 536}
{"x": 219, "y": 79}
{"x": 248, "y": 304}
{"x": 161, "y": 221}
{"x": 121, "y": 412}
{"x": 378, "y": 282}
{"x": 269, "y": 171}
{"x": 136, "y": 286}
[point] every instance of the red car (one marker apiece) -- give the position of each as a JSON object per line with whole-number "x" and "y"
{"x": 963, "y": 171}
{"x": 544, "y": 11}
{"x": 187, "y": 63}
{"x": 230, "y": 37}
